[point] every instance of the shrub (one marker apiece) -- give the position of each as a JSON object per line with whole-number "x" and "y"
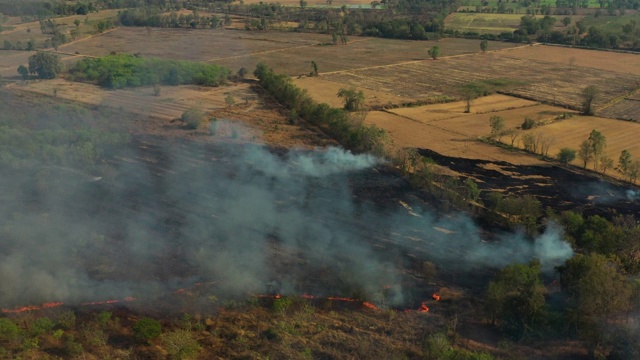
{"x": 41, "y": 326}
{"x": 180, "y": 344}
{"x": 147, "y": 329}
{"x": 192, "y": 118}
{"x": 9, "y": 331}
{"x": 528, "y": 123}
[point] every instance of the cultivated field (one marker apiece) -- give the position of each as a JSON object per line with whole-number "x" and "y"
{"x": 482, "y": 105}
{"x": 327, "y": 92}
{"x": 627, "y": 109}
{"x": 603, "y": 60}
{"x": 483, "y": 22}
{"x": 548, "y": 82}
{"x": 10, "y": 60}
{"x": 620, "y": 135}
{"x": 287, "y": 52}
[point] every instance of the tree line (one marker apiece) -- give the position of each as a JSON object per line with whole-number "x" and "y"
{"x": 341, "y": 124}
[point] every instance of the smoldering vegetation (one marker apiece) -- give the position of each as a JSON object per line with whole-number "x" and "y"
{"x": 151, "y": 215}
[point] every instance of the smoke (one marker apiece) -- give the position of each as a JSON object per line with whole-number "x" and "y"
{"x": 603, "y": 193}
{"x": 324, "y": 222}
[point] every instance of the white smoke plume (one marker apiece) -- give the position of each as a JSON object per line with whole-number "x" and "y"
{"x": 255, "y": 220}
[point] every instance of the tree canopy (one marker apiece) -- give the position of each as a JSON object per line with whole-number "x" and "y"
{"x": 45, "y": 65}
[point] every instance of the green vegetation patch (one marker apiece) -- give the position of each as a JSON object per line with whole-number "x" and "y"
{"x": 122, "y": 70}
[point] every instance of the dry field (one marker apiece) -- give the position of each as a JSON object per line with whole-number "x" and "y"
{"x": 24, "y": 32}
{"x": 405, "y": 132}
{"x": 286, "y": 52}
{"x": 10, "y": 60}
{"x": 478, "y": 125}
{"x": 627, "y": 109}
{"x": 327, "y": 92}
{"x": 483, "y": 22}
{"x": 603, "y": 60}
{"x": 620, "y": 135}
{"x": 482, "y": 105}
{"x": 265, "y": 121}
{"x": 548, "y": 82}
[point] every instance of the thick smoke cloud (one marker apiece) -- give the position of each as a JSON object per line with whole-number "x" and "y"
{"x": 252, "y": 219}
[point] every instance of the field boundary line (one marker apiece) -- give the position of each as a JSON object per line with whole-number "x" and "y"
{"x": 614, "y": 101}
{"x": 423, "y": 60}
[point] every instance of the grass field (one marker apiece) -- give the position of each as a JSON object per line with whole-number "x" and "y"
{"x": 327, "y": 92}
{"x": 483, "y": 22}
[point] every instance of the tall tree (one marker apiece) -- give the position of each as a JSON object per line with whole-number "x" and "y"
{"x": 434, "y": 52}
{"x": 24, "y": 72}
{"x": 46, "y": 65}
{"x": 597, "y": 294}
{"x": 597, "y": 143}
{"x": 588, "y": 95}
{"x": 497, "y": 124}
{"x": 584, "y": 153}
{"x": 484, "y": 45}
{"x": 515, "y": 299}
{"x": 624, "y": 162}
{"x": 353, "y": 99}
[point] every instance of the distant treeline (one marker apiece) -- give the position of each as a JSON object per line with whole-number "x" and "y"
{"x": 338, "y": 122}
{"x": 121, "y": 70}
{"x": 154, "y": 17}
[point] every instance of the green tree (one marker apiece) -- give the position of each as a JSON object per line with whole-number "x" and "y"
{"x": 76, "y": 22}
{"x": 588, "y": 95}
{"x": 515, "y": 299}
{"x": 24, "y": 72}
{"x": 314, "y": 68}
{"x": 192, "y": 118}
{"x": 597, "y": 144}
{"x": 46, "y": 65}
{"x": 484, "y": 45}
{"x": 584, "y": 153}
{"x": 624, "y": 162}
{"x": 353, "y": 99}
{"x": 434, "y": 52}
{"x": 497, "y": 124}
{"x": 147, "y": 329}
{"x": 566, "y": 155}
{"x": 566, "y": 21}
{"x": 597, "y": 294}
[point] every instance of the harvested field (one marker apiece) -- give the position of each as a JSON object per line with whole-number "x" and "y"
{"x": 482, "y": 105}
{"x": 627, "y": 109}
{"x": 286, "y": 52}
{"x": 478, "y": 125}
{"x": 410, "y": 133}
{"x": 327, "y": 92}
{"x": 620, "y": 135}
{"x": 483, "y": 22}
{"x": 603, "y": 60}
{"x": 547, "y": 82}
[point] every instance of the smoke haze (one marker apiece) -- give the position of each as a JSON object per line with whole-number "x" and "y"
{"x": 326, "y": 222}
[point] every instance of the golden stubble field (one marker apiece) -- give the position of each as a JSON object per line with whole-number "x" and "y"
{"x": 620, "y": 135}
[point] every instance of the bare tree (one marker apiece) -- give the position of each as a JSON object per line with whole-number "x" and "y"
{"x": 584, "y": 153}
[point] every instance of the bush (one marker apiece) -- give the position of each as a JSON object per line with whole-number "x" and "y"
{"x": 566, "y": 155}
{"x": 147, "y": 329}
{"x": 41, "y": 326}
{"x": 192, "y": 118}
{"x": 180, "y": 344}
{"x": 9, "y": 331}
{"x": 528, "y": 123}
{"x": 121, "y": 70}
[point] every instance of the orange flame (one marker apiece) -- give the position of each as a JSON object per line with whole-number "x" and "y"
{"x": 436, "y": 297}
{"x": 423, "y": 308}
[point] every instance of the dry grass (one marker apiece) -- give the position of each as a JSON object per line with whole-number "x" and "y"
{"x": 603, "y": 60}
{"x": 620, "y": 135}
{"x": 552, "y": 83}
{"x": 410, "y": 133}
{"x": 482, "y": 105}
{"x": 327, "y": 92}
{"x": 627, "y": 109}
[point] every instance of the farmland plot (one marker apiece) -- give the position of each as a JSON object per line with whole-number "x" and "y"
{"x": 548, "y": 82}
{"x": 627, "y": 109}
{"x": 620, "y": 135}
